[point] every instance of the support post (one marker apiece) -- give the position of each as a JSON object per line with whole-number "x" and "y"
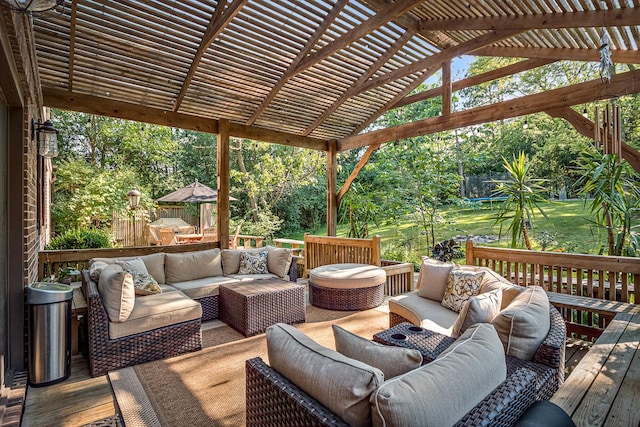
{"x": 223, "y": 183}
{"x": 469, "y": 252}
{"x": 332, "y": 197}
{"x": 446, "y": 88}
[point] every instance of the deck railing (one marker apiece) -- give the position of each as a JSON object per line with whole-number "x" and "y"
{"x": 591, "y": 276}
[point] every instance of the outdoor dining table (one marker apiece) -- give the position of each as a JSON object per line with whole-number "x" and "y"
{"x": 183, "y": 238}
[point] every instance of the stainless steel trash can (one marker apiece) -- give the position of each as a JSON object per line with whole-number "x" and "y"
{"x": 49, "y": 332}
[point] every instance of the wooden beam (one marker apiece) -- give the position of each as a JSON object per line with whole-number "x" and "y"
{"x": 446, "y": 87}
{"x": 219, "y": 21}
{"x": 363, "y": 78}
{"x": 621, "y": 84}
{"x": 618, "y": 56}
{"x": 331, "y": 16}
{"x": 354, "y": 174}
{"x": 389, "y": 13}
{"x": 90, "y": 104}
{"x": 431, "y": 64}
{"x": 585, "y": 19}
{"x": 518, "y": 67}
{"x": 332, "y": 179}
{"x": 586, "y": 127}
{"x": 223, "y": 183}
{"x": 10, "y": 85}
{"x": 72, "y": 43}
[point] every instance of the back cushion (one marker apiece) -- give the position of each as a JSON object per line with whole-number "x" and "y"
{"x": 153, "y": 262}
{"x": 478, "y": 309}
{"x": 116, "y": 292}
{"x": 432, "y": 279}
{"x": 341, "y": 384}
{"x": 443, "y": 391}
{"x": 181, "y": 267}
{"x": 524, "y": 324}
{"x": 279, "y": 261}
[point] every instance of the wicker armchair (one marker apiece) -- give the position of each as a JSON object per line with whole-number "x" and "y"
{"x": 106, "y": 354}
{"x": 273, "y": 400}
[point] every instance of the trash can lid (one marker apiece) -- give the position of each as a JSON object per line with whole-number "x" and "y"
{"x": 48, "y": 293}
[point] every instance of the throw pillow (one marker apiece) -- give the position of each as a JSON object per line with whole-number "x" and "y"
{"x": 525, "y": 323}
{"x": 255, "y": 263}
{"x": 342, "y": 384}
{"x": 95, "y": 269}
{"x": 117, "y": 292}
{"x": 478, "y": 309}
{"x": 432, "y": 280}
{"x": 231, "y": 258}
{"x": 449, "y": 387}
{"x": 461, "y": 285}
{"x": 279, "y": 261}
{"x": 144, "y": 283}
{"x": 392, "y": 361}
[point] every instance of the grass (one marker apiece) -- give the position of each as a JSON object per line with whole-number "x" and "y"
{"x": 569, "y": 221}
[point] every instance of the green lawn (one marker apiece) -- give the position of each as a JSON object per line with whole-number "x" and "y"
{"x": 569, "y": 221}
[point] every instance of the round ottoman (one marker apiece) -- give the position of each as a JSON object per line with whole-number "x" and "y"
{"x": 347, "y": 286}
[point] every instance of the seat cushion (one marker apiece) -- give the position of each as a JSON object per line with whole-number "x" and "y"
{"x": 443, "y": 391}
{"x": 153, "y": 262}
{"x": 205, "y": 287}
{"x": 116, "y": 292}
{"x": 392, "y": 361}
{"x": 342, "y": 384}
{"x": 157, "y": 311}
{"x": 185, "y": 266}
{"x": 424, "y": 312}
{"x": 347, "y": 276}
{"x": 524, "y": 324}
{"x": 432, "y": 280}
{"x": 251, "y": 277}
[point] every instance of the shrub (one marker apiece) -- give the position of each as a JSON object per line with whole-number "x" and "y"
{"x": 86, "y": 238}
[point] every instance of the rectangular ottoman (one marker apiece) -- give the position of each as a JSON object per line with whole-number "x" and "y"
{"x": 253, "y": 306}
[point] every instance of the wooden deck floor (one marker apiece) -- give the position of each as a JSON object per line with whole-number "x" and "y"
{"x": 82, "y": 400}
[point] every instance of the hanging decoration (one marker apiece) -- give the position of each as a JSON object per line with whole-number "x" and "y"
{"x": 608, "y": 132}
{"x": 607, "y": 68}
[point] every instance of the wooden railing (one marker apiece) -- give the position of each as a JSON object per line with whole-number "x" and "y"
{"x": 50, "y": 262}
{"x": 601, "y": 277}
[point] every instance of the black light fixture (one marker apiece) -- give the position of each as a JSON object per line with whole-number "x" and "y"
{"x": 31, "y": 5}
{"x": 134, "y": 198}
{"x": 47, "y": 137}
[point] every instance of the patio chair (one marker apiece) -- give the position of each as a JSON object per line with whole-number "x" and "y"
{"x": 209, "y": 235}
{"x": 167, "y": 236}
{"x": 233, "y": 242}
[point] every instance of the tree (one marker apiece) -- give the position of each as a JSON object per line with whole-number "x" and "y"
{"x": 523, "y": 197}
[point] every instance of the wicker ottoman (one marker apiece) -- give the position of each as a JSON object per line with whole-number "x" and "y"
{"x": 251, "y": 307}
{"x": 347, "y": 286}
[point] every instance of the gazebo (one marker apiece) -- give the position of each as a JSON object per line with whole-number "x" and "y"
{"x": 312, "y": 74}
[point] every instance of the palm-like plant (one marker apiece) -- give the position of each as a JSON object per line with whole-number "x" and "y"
{"x": 523, "y": 197}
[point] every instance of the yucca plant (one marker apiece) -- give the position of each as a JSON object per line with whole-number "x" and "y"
{"x": 523, "y": 197}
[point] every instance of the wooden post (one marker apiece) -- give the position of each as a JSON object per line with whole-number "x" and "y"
{"x": 223, "y": 183}
{"x": 376, "y": 258}
{"x": 332, "y": 197}
{"x": 469, "y": 252}
{"x": 446, "y": 88}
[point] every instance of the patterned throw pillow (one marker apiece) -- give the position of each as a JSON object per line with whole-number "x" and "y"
{"x": 253, "y": 263}
{"x": 461, "y": 285}
{"x": 144, "y": 283}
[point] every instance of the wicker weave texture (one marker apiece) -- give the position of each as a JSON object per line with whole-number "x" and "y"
{"x": 274, "y": 401}
{"x": 552, "y": 350}
{"x": 429, "y": 343}
{"x": 346, "y": 299}
{"x": 252, "y": 307}
{"x": 107, "y": 354}
{"x": 210, "y": 308}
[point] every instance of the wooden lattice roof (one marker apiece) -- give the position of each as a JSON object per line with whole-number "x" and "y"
{"x": 322, "y": 68}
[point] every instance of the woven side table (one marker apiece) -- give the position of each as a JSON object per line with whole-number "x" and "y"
{"x": 252, "y": 307}
{"x": 407, "y": 335}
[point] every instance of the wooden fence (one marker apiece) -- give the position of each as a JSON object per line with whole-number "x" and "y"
{"x": 122, "y": 223}
{"x": 602, "y": 277}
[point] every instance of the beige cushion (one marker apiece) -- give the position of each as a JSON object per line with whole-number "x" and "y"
{"x": 461, "y": 285}
{"x": 204, "y": 287}
{"x": 432, "y": 280}
{"x": 157, "y": 311}
{"x": 347, "y": 276}
{"x": 180, "y": 267}
{"x": 493, "y": 281}
{"x": 251, "y": 277}
{"x": 341, "y": 384}
{"x": 116, "y": 292}
{"x": 478, "y": 309}
{"x": 231, "y": 259}
{"x": 424, "y": 312}
{"x": 443, "y": 391}
{"x": 135, "y": 264}
{"x": 95, "y": 268}
{"x": 392, "y": 361}
{"x": 153, "y": 262}
{"x": 279, "y": 261}
{"x": 525, "y": 323}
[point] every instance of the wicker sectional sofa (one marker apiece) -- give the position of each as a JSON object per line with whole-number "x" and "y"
{"x": 127, "y": 326}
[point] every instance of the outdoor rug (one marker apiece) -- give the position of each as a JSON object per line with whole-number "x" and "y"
{"x": 207, "y": 388}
